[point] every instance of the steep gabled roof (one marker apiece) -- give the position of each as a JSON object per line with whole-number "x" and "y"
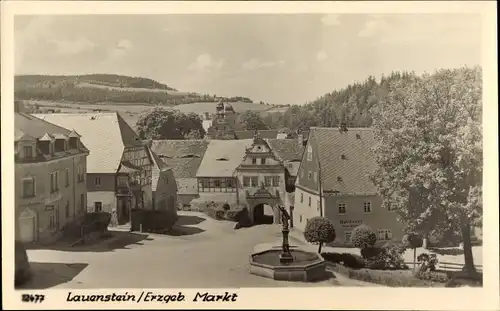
{"x": 176, "y": 148}
{"x": 346, "y": 159}
{"x": 223, "y": 157}
{"x": 29, "y": 126}
{"x": 286, "y": 149}
{"x": 105, "y": 134}
{"x": 183, "y": 156}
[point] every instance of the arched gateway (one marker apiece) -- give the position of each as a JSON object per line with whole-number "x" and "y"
{"x": 256, "y": 204}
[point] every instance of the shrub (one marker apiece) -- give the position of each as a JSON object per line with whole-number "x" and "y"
{"x": 319, "y": 230}
{"x": 226, "y": 207}
{"x": 390, "y": 257}
{"x": 428, "y": 262}
{"x": 389, "y": 278}
{"x": 434, "y": 276}
{"x": 353, "y": 261}
{"x": 332, "y": 257}
{"x": 370, "y": 252}
{"x": 347, "y": 259}
{"x": 363, "y": 237}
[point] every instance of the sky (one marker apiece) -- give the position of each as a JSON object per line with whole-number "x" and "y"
{"x": 280, "y": 59}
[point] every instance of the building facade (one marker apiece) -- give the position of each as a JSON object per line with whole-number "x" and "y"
{"x": 120, "y": 166}
{"x": 184, "y": 158}
{"x": 50, "y": 176}
{"x": 249, "y": 172}
{"x": 333, "y": 182}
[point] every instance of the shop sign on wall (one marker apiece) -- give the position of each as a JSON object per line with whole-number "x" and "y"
{"x": 350, "y": 223}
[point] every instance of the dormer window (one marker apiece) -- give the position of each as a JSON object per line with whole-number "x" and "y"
{"x": 343, "y": 157}
{"x": 339, "y": 179}
{"x": 28, "y": 151}
{"x": 73, "y": 143}
{"x": 60, "y": 143}
{"x": 74, "y": 140}
{"x": 46, "y": 144}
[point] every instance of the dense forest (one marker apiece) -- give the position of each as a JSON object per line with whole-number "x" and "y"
{"x": 107, "y": 88}
{"x": 351, "y": 104}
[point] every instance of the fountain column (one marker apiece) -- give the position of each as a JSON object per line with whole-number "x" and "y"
{"x": 285, "y": 256}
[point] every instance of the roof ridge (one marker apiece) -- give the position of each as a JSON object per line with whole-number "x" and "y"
{"x": 27, "y": 115}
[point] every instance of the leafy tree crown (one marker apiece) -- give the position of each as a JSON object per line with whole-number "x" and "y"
{"x": 363, "y": 236}
{"x": 319, "y": 230}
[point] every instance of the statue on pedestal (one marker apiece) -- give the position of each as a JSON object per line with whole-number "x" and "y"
{"x": 285, "y": 256}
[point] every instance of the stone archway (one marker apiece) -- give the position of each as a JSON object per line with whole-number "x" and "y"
{"x": 263, "y": 197}
{"x": 27, "y": 226}
{"x": 261, "y": 216}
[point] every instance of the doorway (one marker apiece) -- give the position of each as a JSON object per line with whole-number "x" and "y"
{"x": 263, "y": 214}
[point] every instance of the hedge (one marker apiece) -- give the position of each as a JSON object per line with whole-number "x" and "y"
{"x": 391, "y": 278}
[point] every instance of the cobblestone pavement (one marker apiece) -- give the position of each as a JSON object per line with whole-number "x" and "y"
{"x": 202, "y": 253}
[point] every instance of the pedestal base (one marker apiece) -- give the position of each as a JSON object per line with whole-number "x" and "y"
{"x": 286, "y": 258}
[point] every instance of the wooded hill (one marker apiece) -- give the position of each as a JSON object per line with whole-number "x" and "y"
{"x": 352, "y": 104}
{"x": 96, "y": 88}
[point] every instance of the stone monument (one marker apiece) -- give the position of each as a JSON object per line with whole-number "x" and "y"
{"x": 285, "y": 256}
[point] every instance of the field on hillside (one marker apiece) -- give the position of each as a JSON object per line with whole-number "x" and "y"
{"x": 201, "y": 107}
{"x": 129, "y": 89}
{"x": 130, "y": 113}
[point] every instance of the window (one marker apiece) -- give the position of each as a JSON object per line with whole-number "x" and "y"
{"x": 255, "y": 181}
{"x": 66, "y": 177}
{"x": 347, "y": 236}
{"x": 29, "y": 187}
{"x": 316, "y": 176}
{"x": 276, "y": 181}
{"x": 309, "y": 153}
{"x": 301, "y": 173}
{"x": 230, "y": 183}
{"x": 267, "y": 181}
{"x": 318, "y": 205}
{"x": 263, "y": 161}
{"x": 367, "y": 207}
{"x": 81, "y": 176}
{"x": 309, "y": 201}
{"x": 54, "y": 181}
{"x": 342, "y": 208}
{"x": 66, "y": 208}
{"x": 389, "y": 208}
{"x": 98, "y": 181}
{"x": 300, "y": 218}
{"x": 246, "y": 181}
{"x": 301, "y": 198}
{"x": 384, "y": 234}
{"x": 309, "y": 175}
{"x": 217, "y": 183}
{"x": 122, "y": 180}
{"x": 28, "y": 152}
{"x": 97, "y": 207}
{"x": 254, "y": 160}
{"x": 289, "y": 165}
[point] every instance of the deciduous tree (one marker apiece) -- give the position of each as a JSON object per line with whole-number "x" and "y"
{"x": 319, "y": 230}
{"x": 429, "y": 152}
{"x": 164, "y": 123}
